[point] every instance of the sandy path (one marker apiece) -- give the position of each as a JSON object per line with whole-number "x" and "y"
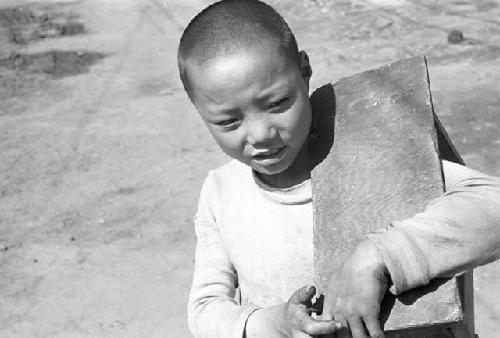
{"x": 94, "y": 214}
{"x": 100, "y": 172}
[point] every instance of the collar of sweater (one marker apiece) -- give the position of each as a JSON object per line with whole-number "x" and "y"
{"x": 297, "y": 194}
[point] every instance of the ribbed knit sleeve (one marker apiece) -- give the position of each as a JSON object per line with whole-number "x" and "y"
{"x": 212, "y": 310}
{"x": 456, "y": 232}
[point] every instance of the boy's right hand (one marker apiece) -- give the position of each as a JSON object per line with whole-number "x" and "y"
{"x": 291, "y": 319}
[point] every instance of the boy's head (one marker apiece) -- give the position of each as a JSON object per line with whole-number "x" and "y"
{"x": 226, "y": 27}
{"x": 241, "y": 68}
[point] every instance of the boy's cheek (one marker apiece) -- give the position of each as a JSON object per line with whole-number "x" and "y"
{"x": 230, "y": 145}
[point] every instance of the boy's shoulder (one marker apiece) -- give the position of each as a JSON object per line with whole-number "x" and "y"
{"x": 228, "y": 183}
{"x": 232, "y": 169}
{"x": 233, "y": 175}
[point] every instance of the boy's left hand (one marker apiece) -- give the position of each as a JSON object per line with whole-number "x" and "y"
{"x": 355, "y": 292}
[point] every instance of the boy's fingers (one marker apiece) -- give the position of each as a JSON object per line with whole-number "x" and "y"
{"x": 317, "y": 327}
{"x": 303, "y": 296}
{"x": 322, "y": 327}
{"x": 300, "y": 335}
{"x": 326, "y": 315}
{"x": 357, "y": 327}
{"x": 373, "y": 326}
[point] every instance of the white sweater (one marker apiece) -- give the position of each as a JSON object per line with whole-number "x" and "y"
{"x": 259, "y": 239}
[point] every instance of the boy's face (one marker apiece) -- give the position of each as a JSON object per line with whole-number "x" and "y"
{"x": 256, "y": 105}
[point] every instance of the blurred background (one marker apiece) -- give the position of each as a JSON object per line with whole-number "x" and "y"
{"x": 102, "y": 156}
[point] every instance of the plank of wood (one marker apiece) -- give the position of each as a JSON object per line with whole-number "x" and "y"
{"x": 377, "y": 161}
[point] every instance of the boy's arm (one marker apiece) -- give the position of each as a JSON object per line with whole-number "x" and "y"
{"x": 457, "y": 231}
{"x": 212, "y": 310}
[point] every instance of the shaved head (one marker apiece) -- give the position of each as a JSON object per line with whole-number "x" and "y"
{"x": 229, "y": 26}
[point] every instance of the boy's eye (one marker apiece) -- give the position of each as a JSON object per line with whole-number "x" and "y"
{"x": 278, "y": 103}
{"x": 227, "y": 123}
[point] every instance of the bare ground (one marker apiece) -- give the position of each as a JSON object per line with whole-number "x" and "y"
{"x": 102, "y": 156}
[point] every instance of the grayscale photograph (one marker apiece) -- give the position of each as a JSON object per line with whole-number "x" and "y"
{"x": 249, "y": 168}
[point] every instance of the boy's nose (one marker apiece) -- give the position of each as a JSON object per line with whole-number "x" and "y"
{"x": 260, "y": 132}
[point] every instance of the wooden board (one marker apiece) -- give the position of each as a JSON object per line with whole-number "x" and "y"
{"x": 377, "y": 161}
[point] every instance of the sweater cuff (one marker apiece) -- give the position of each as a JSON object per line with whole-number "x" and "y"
{"x": 241, "y": 324}
{"x": 406, "y": 262}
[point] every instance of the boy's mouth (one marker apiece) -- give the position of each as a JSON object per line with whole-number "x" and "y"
{"x": 271, "y": 154}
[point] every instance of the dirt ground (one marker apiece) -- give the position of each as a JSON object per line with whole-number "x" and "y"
{"x": 102, "y": 156}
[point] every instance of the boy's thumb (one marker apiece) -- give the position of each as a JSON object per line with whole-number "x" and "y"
{"x": 303, "y": 295}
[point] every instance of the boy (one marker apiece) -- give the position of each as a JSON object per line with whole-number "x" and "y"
{"x": 241, "y": 67}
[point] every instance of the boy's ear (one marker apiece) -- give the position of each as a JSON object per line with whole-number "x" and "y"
{"x": 305, "y": 67}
